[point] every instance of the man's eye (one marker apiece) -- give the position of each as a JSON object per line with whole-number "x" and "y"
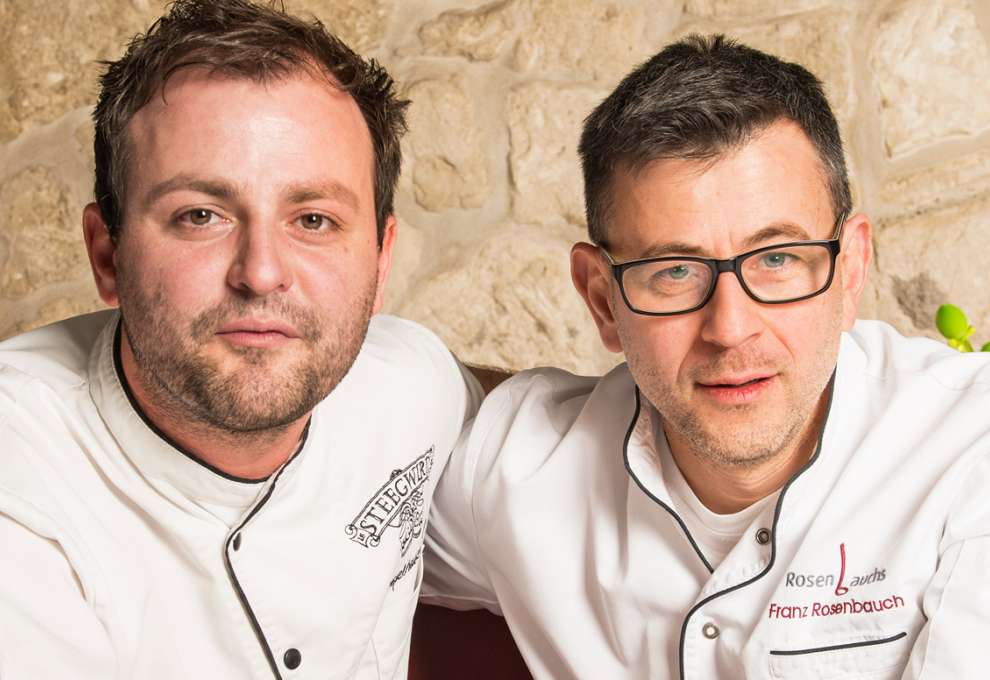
{"x": 677, "y": 273}
{"x": 200, "y": 216}
{"x": 316, "y": 222}
{"x": 775, "y": 260}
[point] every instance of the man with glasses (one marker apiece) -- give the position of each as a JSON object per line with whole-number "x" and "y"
{"x": 767, "y": 488}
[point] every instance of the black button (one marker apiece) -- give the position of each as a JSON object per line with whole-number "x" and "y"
{"x": 237, "y": 542}
{"x": 292, "y": 659}
{"x": 763, "y": 536}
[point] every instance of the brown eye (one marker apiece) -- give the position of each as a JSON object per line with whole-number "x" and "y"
{"x": 200, "y": 216}
{"x": 314, "y": 222}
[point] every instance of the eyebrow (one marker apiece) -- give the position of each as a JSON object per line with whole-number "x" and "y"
{"x": 211, "y": 187}
{"x": 775, "y": 230}
{"x": 327, "y": 190}
{"x": 225, "y": 190}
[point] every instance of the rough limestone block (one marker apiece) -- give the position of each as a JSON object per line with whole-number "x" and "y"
{"x": 931, "y": 67}
{"x": 49, "y": 53}
{"x": 450, "y": 167}
{"x": 544, "y": 130}
{"x": 932, "y": 258}
{"x": 407, "y": 257}
{"x": 509, "y": 303}
{"x": 359, "y": 23}
{"x": 819, "y": 41}
{"x": 946, "y": 182}
{"x": 83, "y": 301}
{"x": 744, "y": 9}
{"x": 583, "y": 39}
{"x": 479, "y": 34}
{"x": 40, "y": 234}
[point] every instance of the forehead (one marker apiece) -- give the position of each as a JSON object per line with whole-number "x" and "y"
{"x": 777, "y": 177}
{"x": 294, "y": 127}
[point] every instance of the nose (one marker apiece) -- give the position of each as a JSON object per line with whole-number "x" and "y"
{"x": 261, "y": 264}
{"x": 731, "y": 316}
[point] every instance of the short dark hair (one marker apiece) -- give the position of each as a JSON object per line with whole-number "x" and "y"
{"x": 249, "y": 40}
{"x": 696, "y": 99}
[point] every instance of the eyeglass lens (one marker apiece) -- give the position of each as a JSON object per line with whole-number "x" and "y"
{"x": 776, "y": 275}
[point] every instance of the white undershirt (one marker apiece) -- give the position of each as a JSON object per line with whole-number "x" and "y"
{"x": 715, "y": 534}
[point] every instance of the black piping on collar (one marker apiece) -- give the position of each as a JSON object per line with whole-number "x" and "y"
{"x": 255, "y": 624}
{"x": 773, "y": 530}
{"x": 673, "y": 513}
{"x": 118, "y": 367}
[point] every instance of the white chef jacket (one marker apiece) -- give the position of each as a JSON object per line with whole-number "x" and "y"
{"x": 873, "y": 562}
{"x": 123, "y": 557}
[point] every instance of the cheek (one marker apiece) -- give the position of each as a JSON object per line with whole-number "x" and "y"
{"x": 192, "y": 280}
{"x": 810, "y": 332}
{"x": 337, "y": 278}
{"x": 658, "y": 346}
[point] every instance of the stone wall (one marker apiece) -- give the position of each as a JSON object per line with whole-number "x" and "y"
{"x": 490, "y": 198}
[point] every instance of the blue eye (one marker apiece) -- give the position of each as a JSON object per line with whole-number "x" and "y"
{"x": 678, "y": 272}
{"x": 774, "y": 260}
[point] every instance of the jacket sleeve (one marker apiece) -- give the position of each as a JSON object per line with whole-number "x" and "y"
{"x": 953, "y": 642}
{"x": 48, "y": 631}
{"x": 454, "y": 572}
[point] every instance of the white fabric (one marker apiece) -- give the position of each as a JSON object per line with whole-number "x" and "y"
{"x": 715, "y": 534}
{"x": 118, "y": 556}
{"x": 554, "y": 512}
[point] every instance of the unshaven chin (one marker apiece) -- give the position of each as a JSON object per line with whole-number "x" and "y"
{"x": 246, "y": 405}
{"x": 732, "y": 456}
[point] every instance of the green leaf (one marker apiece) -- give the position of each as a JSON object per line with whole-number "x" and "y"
{"x": 951, "y": 322}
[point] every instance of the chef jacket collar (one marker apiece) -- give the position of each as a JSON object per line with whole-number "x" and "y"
{"x": 640, "y": 446}
{"x": 163, "y": 462}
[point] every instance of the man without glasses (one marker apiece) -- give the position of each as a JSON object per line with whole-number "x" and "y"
{"x": 229, "y": 477}
{"x": 767, "y": 488}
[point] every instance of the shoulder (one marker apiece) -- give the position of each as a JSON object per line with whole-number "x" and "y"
{"x": 902, "y": 361}
{"x": 526, "y": 418}
{"x": 43, "y": 374}
{"x": 538, "y": 393}
{"x": 918, "y": 395}
{"x": 44, "y": 402}
{"x": 56, "y": 355}
{"x": 390, "y": 334}
{"x": 403, "y": 350}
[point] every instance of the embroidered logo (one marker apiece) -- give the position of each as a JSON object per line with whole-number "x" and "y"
{"x": 398, "y": 504}
{"x": 828, "y": 580}
{"x": 845, "y": 606}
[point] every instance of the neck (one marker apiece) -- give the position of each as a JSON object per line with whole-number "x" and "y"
{"x": 247, "y": 455}
{"x": 729, "y": 488}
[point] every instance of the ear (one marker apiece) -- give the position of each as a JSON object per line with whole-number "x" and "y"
{"x": 102, "y": 253}
{"x": 385, "y": 260}
{"x": 854, "y": 264}
{"x": 592, "y": 277}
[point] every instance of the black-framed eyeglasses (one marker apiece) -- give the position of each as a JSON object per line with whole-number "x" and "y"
{"x": 773, "y": 275}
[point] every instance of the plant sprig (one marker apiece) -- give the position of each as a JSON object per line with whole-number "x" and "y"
{"x": 954, "y": 327}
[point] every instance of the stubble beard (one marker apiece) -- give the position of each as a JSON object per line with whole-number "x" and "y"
{"x": 255, "y": 397}
{"x": 747, "y": 436}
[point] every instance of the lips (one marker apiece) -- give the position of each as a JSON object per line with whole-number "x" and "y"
{"x": 259, "y": 326}
{"x": 735, "y": 381}
{"x": 258, "y": 334}
{"x": 736, "y": 390}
